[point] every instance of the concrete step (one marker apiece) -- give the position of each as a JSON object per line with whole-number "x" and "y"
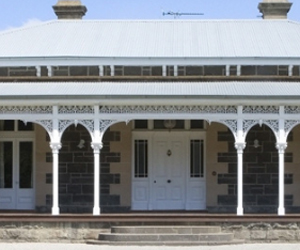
{"x": 166, "y": 237}
{"x": 166, "y": 230}
{"x": 165, "y": 243}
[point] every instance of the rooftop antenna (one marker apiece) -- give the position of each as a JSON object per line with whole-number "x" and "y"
{"x": 177, "y": 15}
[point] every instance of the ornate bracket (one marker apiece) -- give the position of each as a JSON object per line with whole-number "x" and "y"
{"x": 231, "y": 124}
{"x": 105, "y": 124}
{"x": 64, "y": 124}
{"x": 247, "y": 125}
{"x": 289, "y": 125}
{"x": 273, "y": 124}
{"x": 46, "y": 124}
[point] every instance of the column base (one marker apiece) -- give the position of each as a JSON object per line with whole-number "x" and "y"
{"x": 281, "y": 211}
{"x": 55, "y": 210}
{"x": 240, "y": 211}
{"x": 96, "y": 211}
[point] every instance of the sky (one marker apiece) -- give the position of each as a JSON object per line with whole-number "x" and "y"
{"x": 16, "y": 13}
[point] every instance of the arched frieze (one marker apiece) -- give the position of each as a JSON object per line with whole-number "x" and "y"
{"x": 76, "y": 110}
{"x": 26, "y": 110}
{"x": 249, "y": 124}
{"x": 88, "y": 124}
{"x": 168, "y": 109}
{"x": 260, "y": 109}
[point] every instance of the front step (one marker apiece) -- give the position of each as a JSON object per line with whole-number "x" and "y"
{"x": 166, "y": 230}
{"x": 166, "y": 235}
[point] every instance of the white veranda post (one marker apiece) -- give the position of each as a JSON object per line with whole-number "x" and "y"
{"x": 240, "y": 146}
{"x": 281, "y": 146}
{"x": 281, "y": 149}
{"x": 240, "y": 149}
{"x": 97, "y": 148}
{"x": 55, "y": 145}
{"x": 55, "y": 193}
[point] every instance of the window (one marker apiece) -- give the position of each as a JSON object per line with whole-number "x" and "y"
{"x": 141, "y": 159}
{"x": 283, "y": 70}
{"x": 160, "y": 124}
{"x": 197, "y": 162}
{"x": 6, "y": 165}
{"x": 197, "y": 124}
{"x": 11, "y": 125}
{"x": 141, "y": 124}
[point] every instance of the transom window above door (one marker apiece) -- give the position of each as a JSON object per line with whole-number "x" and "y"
{"x": 15, "y": 126}
{"x": 169, "y": 124}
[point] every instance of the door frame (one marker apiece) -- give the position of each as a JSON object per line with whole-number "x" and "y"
{"x": 15, "y": 137}
{"x": 142, "y": 188}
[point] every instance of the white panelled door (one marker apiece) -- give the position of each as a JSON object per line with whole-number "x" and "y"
{"x": 169, "y": 171}
{"x": 16, "y": 174}
{"x": 169, "y": 166}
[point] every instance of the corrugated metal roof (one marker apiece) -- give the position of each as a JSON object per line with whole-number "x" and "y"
{"x": 154, "y": 38}
{"x": 154, "y": 89}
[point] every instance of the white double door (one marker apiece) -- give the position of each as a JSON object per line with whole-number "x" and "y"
{"x": 174, "y": 174}
{"x": 16, "y": 174}
{"x": 169, "y": 172}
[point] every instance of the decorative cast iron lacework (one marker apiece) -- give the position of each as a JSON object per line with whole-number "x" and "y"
{"x": 248, "y": 124}
{"x": 273, "y": 124}
{"x": 232, "y": 124}
{"x": 168, "y": 109}
{"x": 89, "y": 124}
{"x": 47, "y": 124}
{"x": 105, "y": 124}
{"x": 261, "y": 110}
{"x": 26, "y": 110}
{"x": 63, "y": 124}
{"x": 76, "y": 110}
{"x": 289, "y": 125}
{"x": 292, "y": 110}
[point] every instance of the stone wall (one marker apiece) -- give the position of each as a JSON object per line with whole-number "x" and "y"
{"x": 68, "y": 232}
{"x": 72, "y": 232}
{"x": 264, "y": 232}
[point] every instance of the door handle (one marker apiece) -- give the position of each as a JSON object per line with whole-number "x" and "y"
{"x": 154, "y": 181}
{"x": 169, "y": 181}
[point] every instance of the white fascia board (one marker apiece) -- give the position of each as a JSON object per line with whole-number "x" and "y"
{"x": 157, "y": 61}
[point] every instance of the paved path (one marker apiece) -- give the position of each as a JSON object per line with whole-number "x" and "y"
{"x": 46, "y": 246}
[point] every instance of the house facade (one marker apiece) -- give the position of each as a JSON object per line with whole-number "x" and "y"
{"x": 151, "y": 115}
